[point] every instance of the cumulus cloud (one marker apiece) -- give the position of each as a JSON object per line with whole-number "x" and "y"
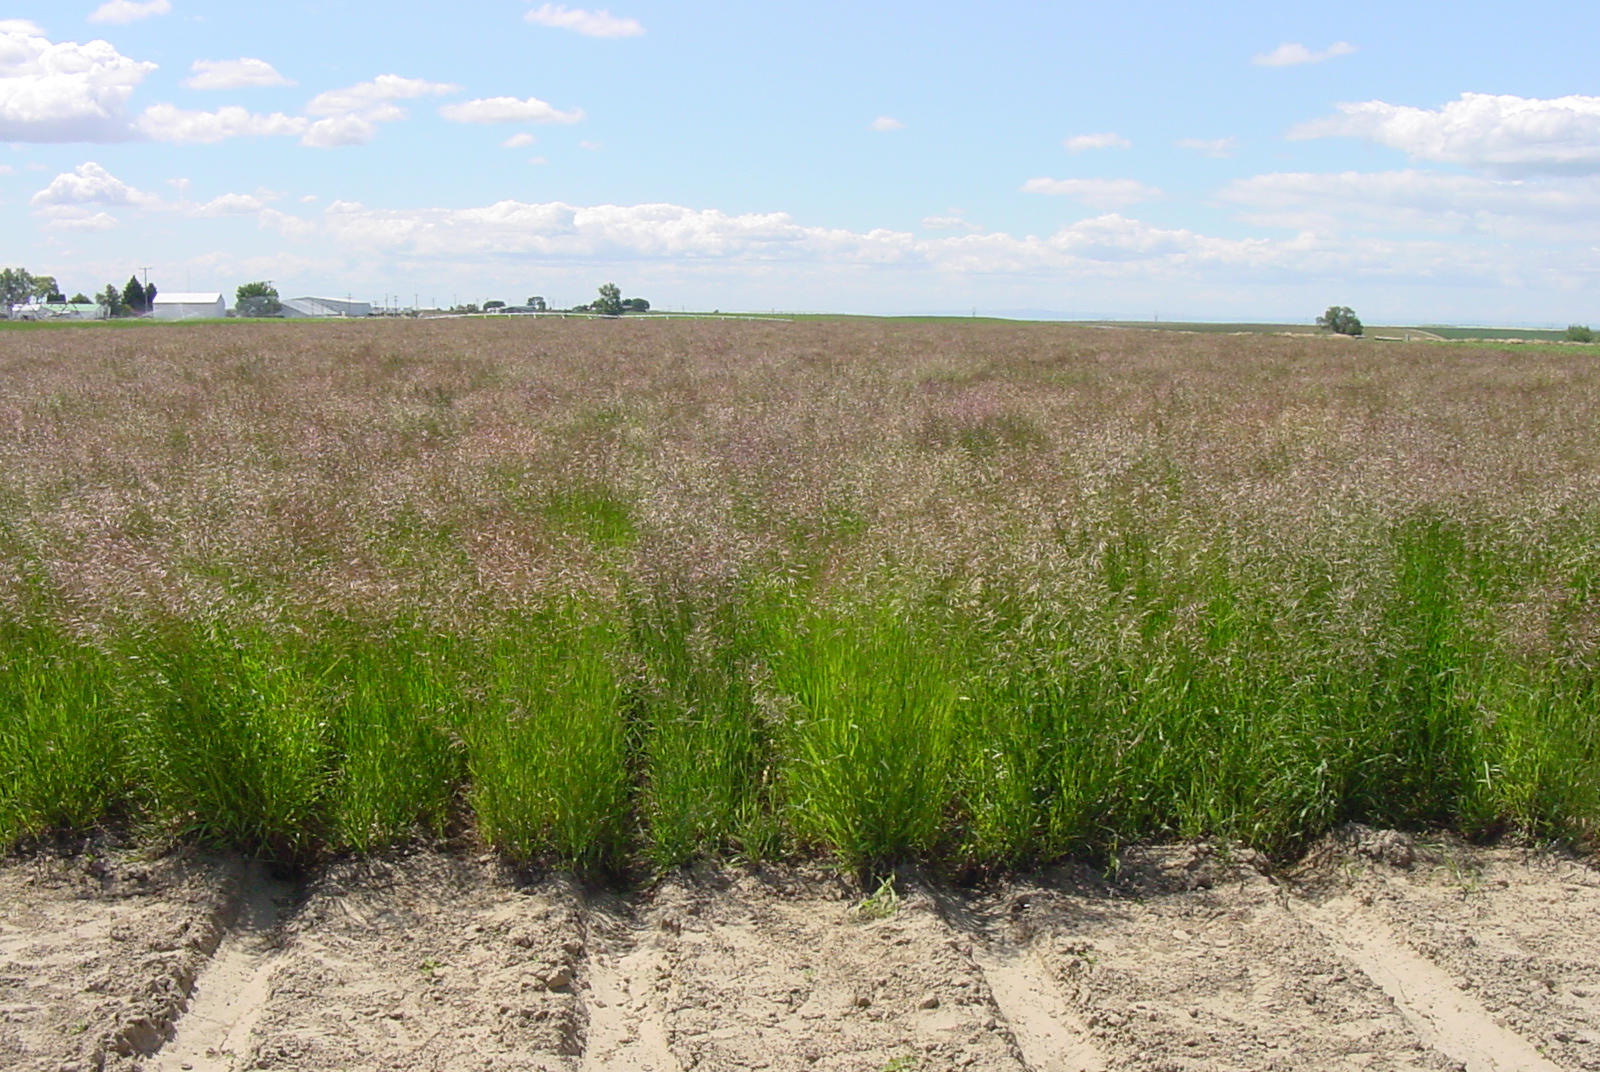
{"x": 91, "y": 184}
{"x": 372, "y": 100}
{"x": 1107, "y": 140}
{"x": 885, "y": 123}
{"x": 339, "y": 130}
{"x": 519, "y": 141}
{"x": 236, "y": 204}
{"x": 241, "y": 73}
{"x": 601, "y": 23}
{"x": 508, "y": 110}
{"x": 1221, "y": 148}
{"x": 1292, "y": 55}
{"x": 1502, "y": 133}
{"x": 287, "y": 225}
{"x": 126, "y": 11}
{"x": 1096, "y": 193}
{"x": 63, "y": 92}
{"x": 350, "y": 115}
{"x": 948, "y": 223}
{"x": 1549, "y": 210}
{"x": 1109, "y": 247}
{"x": 75, "y": 218}
{"x": 166, "y": 122}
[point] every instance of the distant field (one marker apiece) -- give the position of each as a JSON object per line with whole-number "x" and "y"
{"x": 626, "y": 593}
{"x": 1442, "y": 332}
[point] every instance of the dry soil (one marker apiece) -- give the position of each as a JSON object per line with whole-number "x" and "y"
{"x": 1377, "y": 952}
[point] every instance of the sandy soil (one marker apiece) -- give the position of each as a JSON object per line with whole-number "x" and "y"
{"x": 1376, "y": 953}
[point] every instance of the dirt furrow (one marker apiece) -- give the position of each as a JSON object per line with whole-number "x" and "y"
{"x": 423, "y": 962}
{"x": 233, "y": 986}
{"x": 1516, "y": 932}
{"x": 1454, "y": 1023}
{"x": 1190, "y": 960}
{"x": 1049, "y": 1032}
{"x": 625, "y": 981}
{"x": 99, "y": 951}
{"x": 791, "y": 972}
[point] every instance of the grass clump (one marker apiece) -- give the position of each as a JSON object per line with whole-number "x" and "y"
{"x": 869, "y": 733}
{"x": 546, "y": 745}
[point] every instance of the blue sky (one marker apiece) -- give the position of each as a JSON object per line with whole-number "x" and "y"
{"x": 1421, "y": 162}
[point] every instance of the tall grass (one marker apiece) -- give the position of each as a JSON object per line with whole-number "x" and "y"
{"x": 546, "y": 743}
{"x": 618, "y": 594}
{"x": 61, "y": 734}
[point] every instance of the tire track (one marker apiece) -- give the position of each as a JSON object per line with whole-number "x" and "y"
{"x": 1431, "y": 1000}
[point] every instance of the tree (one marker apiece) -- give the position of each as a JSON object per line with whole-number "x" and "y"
{"x": 110, "y": 300}
{"x": 635, "y": 305}
{"x": 16, "y": 286}
{"x": 45, "y": 289}
{"x": 133, "y": 296}
{"x": 1341, "y": 320}
{"x": 80, "y": 298}
{"x": 150, "y": 296}
{"x": 257, "y": 299}
{"x": 610, "y": 301}
{"x": 1579, "y": 333}
{"x": 537, "y": 304}
{"x": 496, "y": 304}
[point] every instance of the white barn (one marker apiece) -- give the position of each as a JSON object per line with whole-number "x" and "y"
{"x": 297, "y": 307}
{"x": 187, "y": 306}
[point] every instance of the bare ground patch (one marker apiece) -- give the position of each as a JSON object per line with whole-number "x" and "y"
{"x": 1377, "y": 954}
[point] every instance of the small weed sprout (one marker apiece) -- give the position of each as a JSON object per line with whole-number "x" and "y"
{"x": 882, "y": 904}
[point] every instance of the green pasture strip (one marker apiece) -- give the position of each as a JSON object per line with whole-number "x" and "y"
{"x": 1192, "y": 685}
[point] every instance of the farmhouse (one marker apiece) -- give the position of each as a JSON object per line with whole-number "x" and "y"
{"x": 298, "y": 307}
{"x": 188, "y": 306}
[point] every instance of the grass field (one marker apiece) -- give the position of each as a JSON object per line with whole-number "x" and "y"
{"x": 620, "y": 594}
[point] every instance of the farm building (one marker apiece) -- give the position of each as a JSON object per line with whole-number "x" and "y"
{"x": 188, "y": 306}
{"x": 58, "y": 311}
{"x": 325, "y": 307}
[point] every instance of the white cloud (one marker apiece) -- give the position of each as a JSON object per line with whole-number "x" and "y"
{"x": 1096, "y": 193}
{"x": 63, "y": 92}
{"x": 537, "y": 160}
{"x": 1104, "y": 248}
{"x": 287, "y": 225}
{"x": 601, "y": 23}
{"x": 241, "y": 73}
{"x": 885, "y": 123}
{"x": 126, "y": 11}
{"x": 371, "y": 99}
{"x": 1220, "y": 148}
{"x": 236, "y": 204}
{"x": 508, "y": 110}
{"x": 74, "y": 218}
{"x": 166, "y": 122}
{"x": 1496, "y": 133}
{"x": 91, "y": 184}
{"x": 1107, "y": 140}
{"x": 339, "y": 130}
{"x": 1292, "y": 55}
{"x": 591, "y": 146}
{"x": 948, "y": 223}
{"x": 1563, "y": 210}
{"x": 519, "y": 141}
